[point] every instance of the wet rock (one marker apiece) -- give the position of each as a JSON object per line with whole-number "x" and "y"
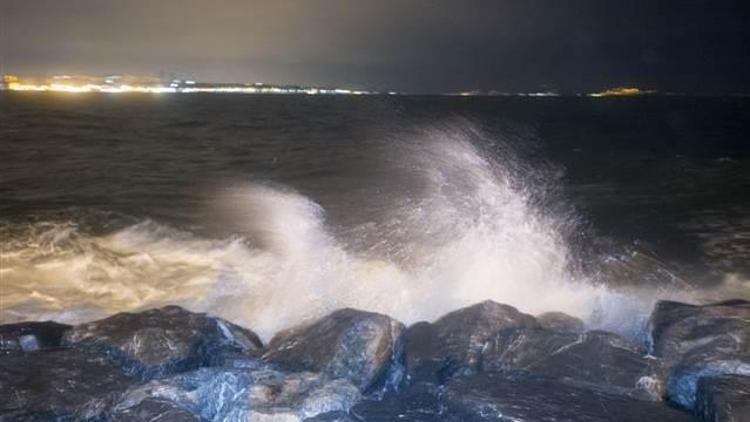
{"x": 453, "y": 344}
{"x": 154, "y": 410}
{"x": 491, "y": 397}
{"x": 723, "y": 399}
{"x": 61, "y": 383}
{"x": 423, "y": 362}
{"x": 220, "y": 394}
{"x": 419, "y": 402}
{"x": 163, "y": 341}
{"x": 595, "y": 358}
{"x": 560, "y": 322}
{"x": 206, "y": 393}
{"x": 362, "y": 347}
{"x": 298, "y": 399}
{"x": 31, "y": 336}
{"x": 699, "y": 341}
{"x": 484, "y": 362}
{"x": 503, "y": 397}
{"x": 338, "y": 416}
{"x": 31, "y": 416}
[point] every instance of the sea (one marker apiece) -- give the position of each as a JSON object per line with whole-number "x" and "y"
{"x": 271, "y": 210}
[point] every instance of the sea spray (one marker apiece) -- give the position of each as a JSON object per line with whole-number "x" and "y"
{"x": 453, "y": 227}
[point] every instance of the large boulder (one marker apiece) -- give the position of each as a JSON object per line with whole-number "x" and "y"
{"x": 221, "y": 394}
{"x": 699, "y": 341}
{"x": 595, "y": 358}
{"x": 62, "y": 384}
{"x": 153, "y": 410}
{"x": 205, "y": 393}
{"x": 724, "y": 398}
{"x": 163, "y": 341}
{"x": 419, "y": 401}
{"x": 499, "y": 397}
{"x": 301, "y": 396}
{"x": 31, "y": 336}
{"x": 490, "y": 397}
{"x": 454, "y": 343}
{"x": 362, "y": 347}
{"x": 337, "y": 416}
{"x": 561, "y": 322}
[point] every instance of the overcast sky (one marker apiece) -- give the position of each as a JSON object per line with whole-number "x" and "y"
{"x": 408, "y": 45}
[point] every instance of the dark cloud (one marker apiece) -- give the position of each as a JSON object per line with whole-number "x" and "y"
{"x": 412, "y": 45}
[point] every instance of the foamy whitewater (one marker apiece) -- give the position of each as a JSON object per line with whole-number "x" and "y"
{"x": 471, "y": 228}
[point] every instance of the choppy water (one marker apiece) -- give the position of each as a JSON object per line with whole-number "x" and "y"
{"x": 268, "y": 210}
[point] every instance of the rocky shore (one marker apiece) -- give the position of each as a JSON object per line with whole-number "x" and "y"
{"x": 486, "y": 362}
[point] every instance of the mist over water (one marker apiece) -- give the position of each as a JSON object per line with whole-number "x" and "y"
{"x": 433, "y": 218}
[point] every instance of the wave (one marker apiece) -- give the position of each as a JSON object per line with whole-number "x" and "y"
{"x": 463, "y": 228}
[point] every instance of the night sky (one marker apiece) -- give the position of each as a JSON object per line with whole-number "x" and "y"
{"x": 407, "y": 45}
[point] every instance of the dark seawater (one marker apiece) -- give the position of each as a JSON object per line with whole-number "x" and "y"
{"x": 271, "y": 209}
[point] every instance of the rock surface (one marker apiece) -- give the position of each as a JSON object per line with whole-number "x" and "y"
{"x": 61, "y": 383}
{"x": 560, "y": 322}
{"x": 699, "y": 341}
{"x": 487, "y": 362}
{"x": 595, "y": 358}
{"x": 332, "y": 417}
{"x": 220, "y": 394}
{"x": 498, "y": 397}
{"x": 153, "y": 410}
{"x": 420, "y": 401}
{"x": 162, "y": 341}
{"x": 31, "y": 336}
{"x": 454, "y": 343}
{"x": 362, "y": 347}
{"x": 723, "y": 399}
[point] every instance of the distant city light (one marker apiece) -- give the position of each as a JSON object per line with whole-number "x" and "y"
{"x": 621, "y": 92}
{"x": 115, "y": 84}
{"x": 119, "y": 84}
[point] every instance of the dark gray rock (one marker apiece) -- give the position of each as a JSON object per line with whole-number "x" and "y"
{"x": 31, "y": 416}
{"x": 220, "y": 394}
{"x": 207, "y": 393}
{"x": 560, "y": 322}
{"x": 153, "y": 410}
{"x": 31, "y": 336}
{"x": 507, "y": 398}
{"x": 362, "y": 347}
{"x": 419, "y": 402}
{"x": 453, "y": 344}
{"x": 299, "y": 396}
{"x": 491, "y": 397}
{"x": 699, "y": 341}
{"x": 595, "y": 358}
{"x": 723, "y": 399}
{"x": 57, "y": 384}
{"x": 338, "y": 416}
{"x": 163, "y": 341}
{"x": 423, "y": 362}
{"x": 677, "y": 328}
{"x": 487, "y": 362}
